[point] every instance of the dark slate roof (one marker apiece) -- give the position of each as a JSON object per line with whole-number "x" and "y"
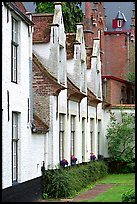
{"x": 20, "y": 6}
{"x": 121, "y": 16}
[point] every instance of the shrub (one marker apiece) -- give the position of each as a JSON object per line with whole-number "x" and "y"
{"x": 129, "y": 196}
{"x": 120, "y": 166}
{"x": 66, "y": 182}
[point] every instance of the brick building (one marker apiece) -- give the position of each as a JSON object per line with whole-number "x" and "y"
{"x": 117, "y": 52}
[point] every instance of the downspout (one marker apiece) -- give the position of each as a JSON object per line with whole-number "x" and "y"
{"x": 105, "y": 88}
{"x": 30, "y": 31}
{"x": 128, "y": 53}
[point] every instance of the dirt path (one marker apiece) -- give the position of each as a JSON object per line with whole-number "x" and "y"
{"x": 90, "y": 194}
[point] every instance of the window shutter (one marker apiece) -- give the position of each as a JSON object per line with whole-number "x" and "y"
{"x": 114, "y": 23}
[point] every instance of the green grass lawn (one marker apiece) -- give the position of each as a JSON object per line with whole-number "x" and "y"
{"x": 114, "y": 194}
{"x": 118, "y": 179}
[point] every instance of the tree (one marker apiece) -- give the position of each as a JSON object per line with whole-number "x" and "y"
{"x": 72, "y": 13}
{"x": 121, "y": 136}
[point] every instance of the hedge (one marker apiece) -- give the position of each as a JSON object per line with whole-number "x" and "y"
{"x": 66, "y": 182}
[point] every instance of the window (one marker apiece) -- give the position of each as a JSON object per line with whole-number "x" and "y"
{"x": 15, "y": 138}
{"x": 91, "y": 133}
{"x": 83, "y": 139}
{"x": 72, "y": 150}
{"x": 61, "y": 137}
{"x": 14, "y": 51}
{"x": 119, "y": 24}
{"x": 99, "y": 137}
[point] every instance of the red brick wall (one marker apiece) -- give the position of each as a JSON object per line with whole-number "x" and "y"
{"x": 43, "y": 88}
{"x": 42, "y": 27}
{"x": 113, "y": 91}
{"x": 98, "y": 13}
{"x": 116, "y": 55}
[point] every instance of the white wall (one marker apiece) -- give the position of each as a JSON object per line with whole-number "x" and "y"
{"x": 31, "y": 147}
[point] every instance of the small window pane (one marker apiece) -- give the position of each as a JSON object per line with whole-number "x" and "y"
{"x": 14, "y": 63}
{"x": 15, "y": 30}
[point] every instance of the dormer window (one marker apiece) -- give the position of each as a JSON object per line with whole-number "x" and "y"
{"x": 119, "y": 23}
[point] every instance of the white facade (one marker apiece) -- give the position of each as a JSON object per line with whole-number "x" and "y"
{"x": 30, "y": 149}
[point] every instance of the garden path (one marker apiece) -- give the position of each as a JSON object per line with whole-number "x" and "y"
{"x": 90, "y": 194}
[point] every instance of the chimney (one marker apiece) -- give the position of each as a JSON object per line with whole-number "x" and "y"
{"x": 88, "y": 10}
{"x": 87, "y": 25}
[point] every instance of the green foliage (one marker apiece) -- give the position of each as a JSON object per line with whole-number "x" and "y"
{"x": 66, "y": 182}
{"x": 129, "y": 196}
{"x": 121, "y": 137}
{"x": 72, "y": 13}
{"x": 45, "y": 196}
{"x": 44, "y": 7}
{"x": 131, "y": 76}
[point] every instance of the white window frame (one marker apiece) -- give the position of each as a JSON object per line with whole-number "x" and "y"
{"x": 14, "y": 50}
{"x": 72, "y": 126}
{"x": 99, "y": 136}
{"x": 15, "y": 141}
{"x": 119, "y": 23}
{"x": 61, "y": 136}
{"x": 83, "y": 139}
{"x": 91, "y": 133}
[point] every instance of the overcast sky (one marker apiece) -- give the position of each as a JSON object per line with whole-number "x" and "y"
{"x": 111, "y": 10}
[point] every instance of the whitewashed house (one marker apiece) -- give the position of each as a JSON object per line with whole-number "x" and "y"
{"x": 67, "y": 106}
{"x": 22, "y": 153}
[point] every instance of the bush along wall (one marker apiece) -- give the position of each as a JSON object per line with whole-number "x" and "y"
{"x": 120, "y": 166}
{"x": 65, "y": 182}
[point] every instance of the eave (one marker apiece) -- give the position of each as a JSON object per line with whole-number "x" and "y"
{"x": 105, "y": 104}
{"x": 14, "y": 9}
{"x": 73, "y": 92}
{"x": 116, "y": 79}
{"x": 92, "y": 99}
{"x": 38, "y": 126}
{"x": 117, "y": 32}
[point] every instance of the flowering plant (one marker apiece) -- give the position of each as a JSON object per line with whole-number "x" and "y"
{"x": 92, "y": 156}
{"x": 73, "y": 159}
{"x": 63, "y": 162}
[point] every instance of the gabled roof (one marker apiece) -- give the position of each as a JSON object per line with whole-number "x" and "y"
{"x": 121, "y": 16}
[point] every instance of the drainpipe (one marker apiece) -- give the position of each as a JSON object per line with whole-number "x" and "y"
{"x": 105, "y": 88}
{"x": 128, "y": 53}
{"x": 30, "y": 31}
